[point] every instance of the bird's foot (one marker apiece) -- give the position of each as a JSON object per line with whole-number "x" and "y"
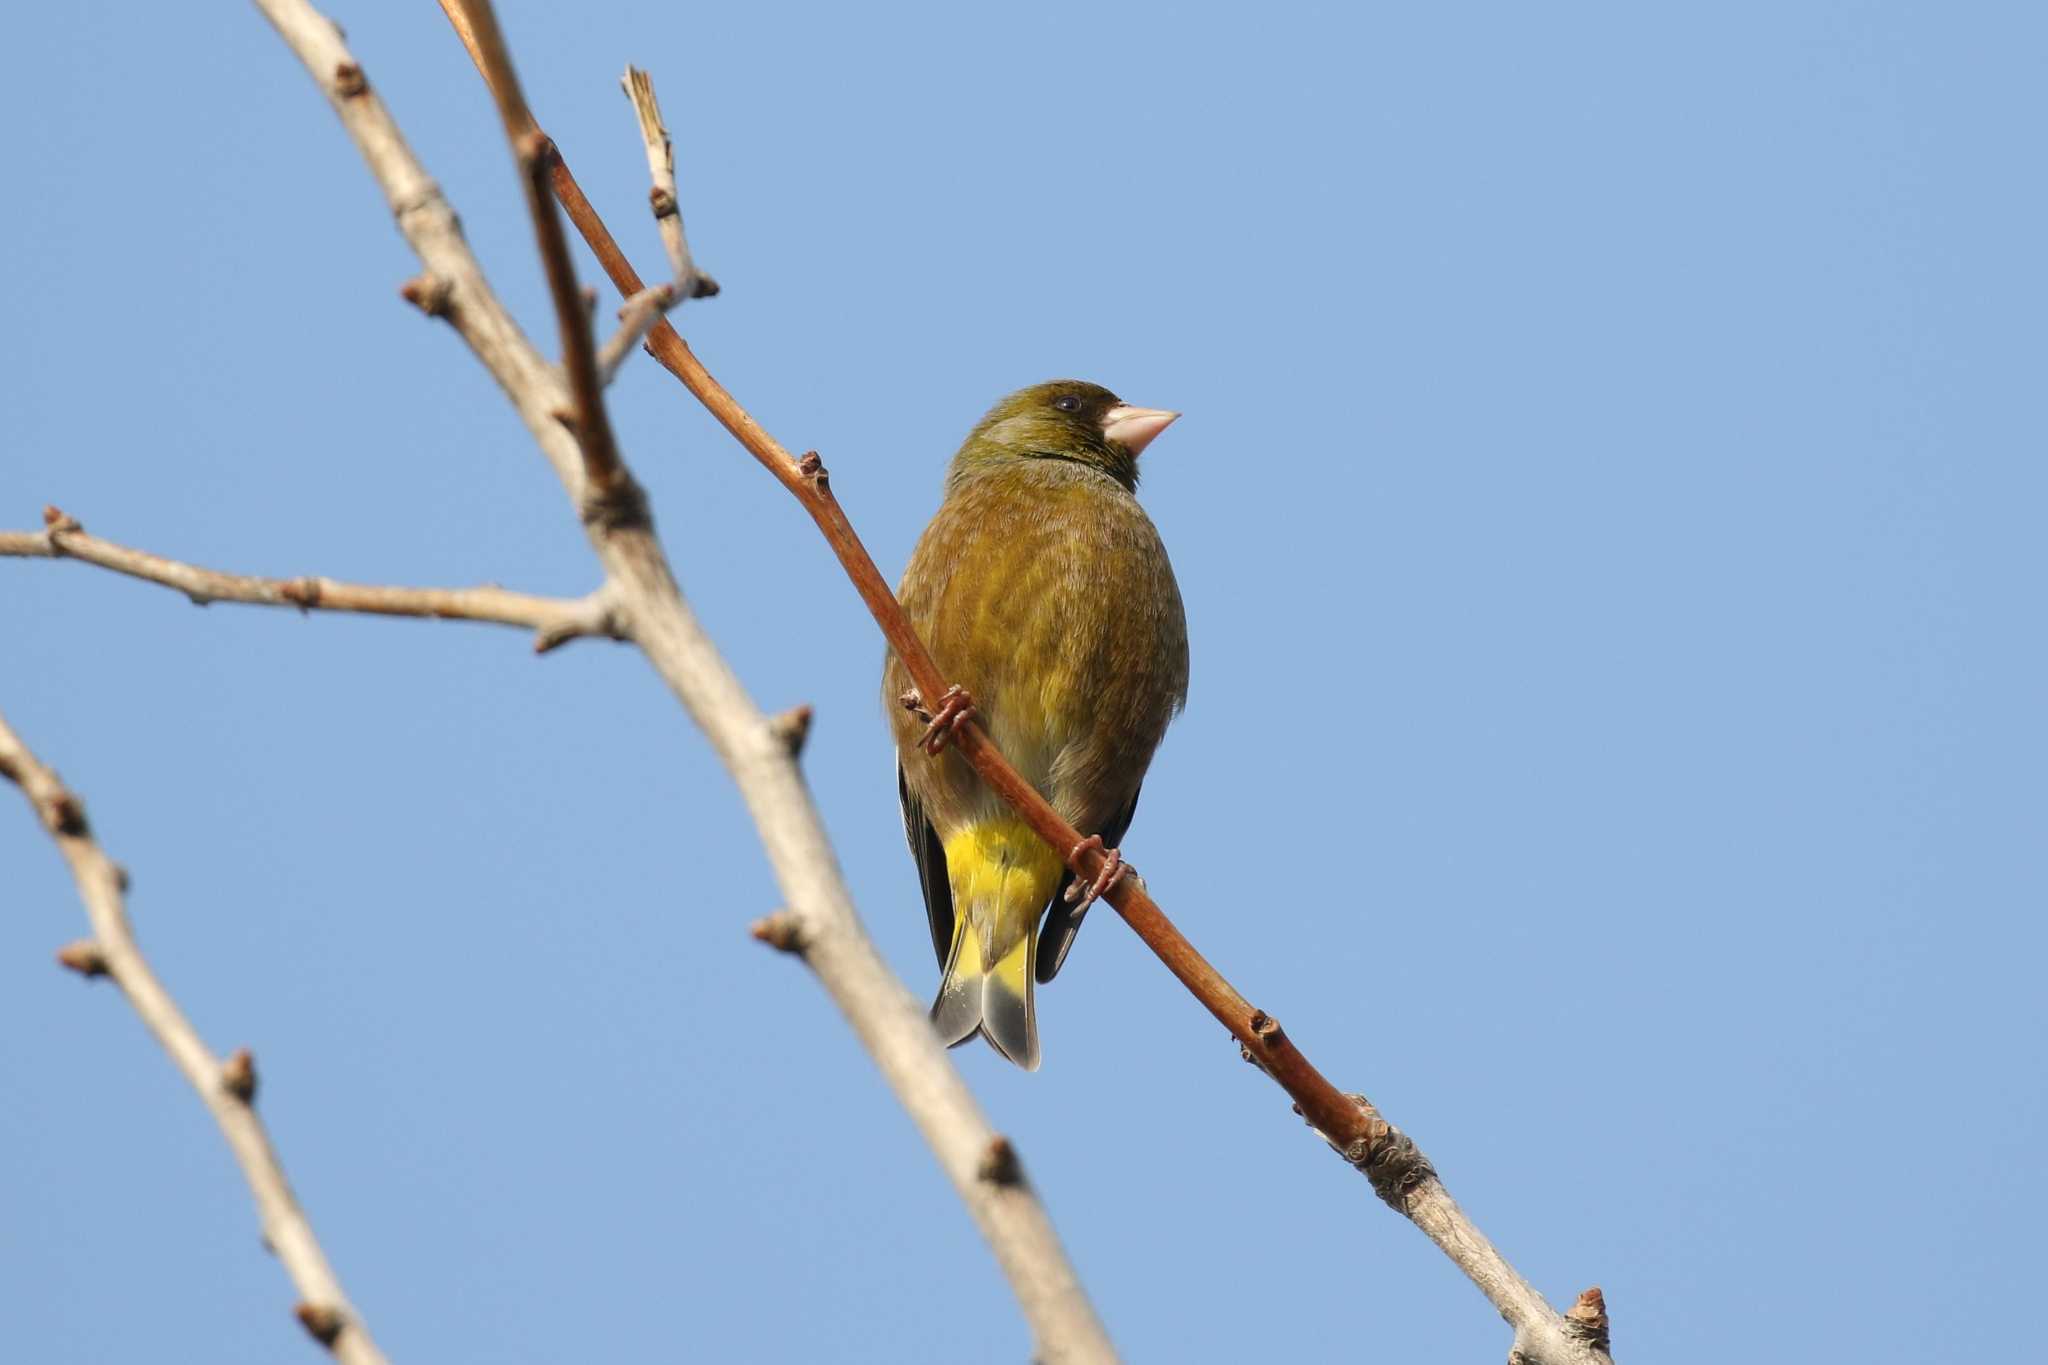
{"x": 955, "y": 708}
{"x": 1080, "y": 894}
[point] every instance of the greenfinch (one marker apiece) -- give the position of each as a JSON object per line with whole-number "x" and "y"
{"x": 1046, "y": 598}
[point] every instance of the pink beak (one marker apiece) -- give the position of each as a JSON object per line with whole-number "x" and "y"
{"x": 1133, "y": 428}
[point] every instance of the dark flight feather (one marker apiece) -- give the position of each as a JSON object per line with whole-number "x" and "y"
{"x": 1056, "y": 935}
{"x": 930, "y": 856}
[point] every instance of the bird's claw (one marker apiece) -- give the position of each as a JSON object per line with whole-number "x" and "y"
{"x": 1080, "y": 894}
{"x": 954, "y": 709}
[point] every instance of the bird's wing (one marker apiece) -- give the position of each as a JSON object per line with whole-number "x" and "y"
{"x": 930, "y": 856}
{"x": 1056, "y": 935}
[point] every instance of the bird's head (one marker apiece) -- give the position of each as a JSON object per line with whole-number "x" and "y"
{"x": 1068, "y": 419}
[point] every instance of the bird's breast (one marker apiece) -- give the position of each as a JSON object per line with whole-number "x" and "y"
{"x": 1052, "y": 600}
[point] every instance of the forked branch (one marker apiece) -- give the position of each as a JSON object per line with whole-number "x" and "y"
{"x": 1348, "y": 1122}
{"x": 760, "y": 754}
{"x": 535, "y": 152}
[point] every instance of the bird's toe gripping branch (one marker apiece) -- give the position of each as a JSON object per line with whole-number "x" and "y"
{"x": 954, "y": 709}
{"x": 1080, "y": 894}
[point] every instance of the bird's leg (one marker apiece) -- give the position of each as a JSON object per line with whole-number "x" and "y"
{"x": 956, "y": 707}
{"x": 1109, "y": 874}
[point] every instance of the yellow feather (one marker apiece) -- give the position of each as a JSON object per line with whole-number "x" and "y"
{"x": 1002, "y": 876}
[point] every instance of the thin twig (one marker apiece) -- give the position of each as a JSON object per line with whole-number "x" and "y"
{"x": 890, "y": 1023}
{"x": 663, "y": 198}
{"x": 1350, "y": 1125}
{"x": 535, "y": 150}
{"x": 554, "y": 620}
{"x": 228, "y": 1087}
{"x": 636, "y": 315}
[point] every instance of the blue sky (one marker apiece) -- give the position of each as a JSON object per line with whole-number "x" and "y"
{"x": 1608, "y": 508}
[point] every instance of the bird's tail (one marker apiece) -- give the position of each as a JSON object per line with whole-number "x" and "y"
{"x": 1002, "y": 874}
{"x": 994, "y": 1001}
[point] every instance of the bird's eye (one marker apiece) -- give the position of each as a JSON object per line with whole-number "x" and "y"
{"x": 1067, "y": 402}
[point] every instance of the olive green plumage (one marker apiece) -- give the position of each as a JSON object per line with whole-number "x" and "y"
{"x": 1043, "y": 589}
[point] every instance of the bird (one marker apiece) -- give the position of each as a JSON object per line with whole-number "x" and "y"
{"x": 1046, "y": 598}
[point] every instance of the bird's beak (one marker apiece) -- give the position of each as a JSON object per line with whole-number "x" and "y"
{"x": 1133, "y": 428}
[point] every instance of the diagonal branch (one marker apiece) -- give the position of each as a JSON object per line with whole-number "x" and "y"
{"x": 821, "y": 922}
{"x": 228, "y": 1088}
{"x": 1351, "y": 1125}
{"x": 535, "y": 150}
{"x": 554, "y": 620}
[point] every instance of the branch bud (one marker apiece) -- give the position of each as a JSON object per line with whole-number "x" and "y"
{"x": 84, "y": 957}
{"x": 427, "y": 292}
{"x": 238, "y": 1075}
{"x": 1000, "y": 1165}
{"x": 779, "y": 931}
{"x": 792, "y": 728}
{"x": 321, "y": 1322}
{"x": 1587, "y": 1319}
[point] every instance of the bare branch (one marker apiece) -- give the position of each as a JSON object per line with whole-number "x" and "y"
{"x": 228, "y": 1088}
{"x": 554, "y": 620}
{"x": 1404, "y": 1178}
{"x": 888, "y": 1021}
{"x": 638, "y": 314}
{"x": 534, "y": 150}
{"x": 661, "y": 168}
{"x": 452, "y": 282}
{"x": 1351, "y": 1125}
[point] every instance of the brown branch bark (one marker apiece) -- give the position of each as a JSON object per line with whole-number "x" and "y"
{"x": 535, "y": 151}
{"x": 760, "y": 754}
{"x": 227, "y": 1087}
{"x": 1351, "y": 1125}
{"x": 555, "y": 621}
